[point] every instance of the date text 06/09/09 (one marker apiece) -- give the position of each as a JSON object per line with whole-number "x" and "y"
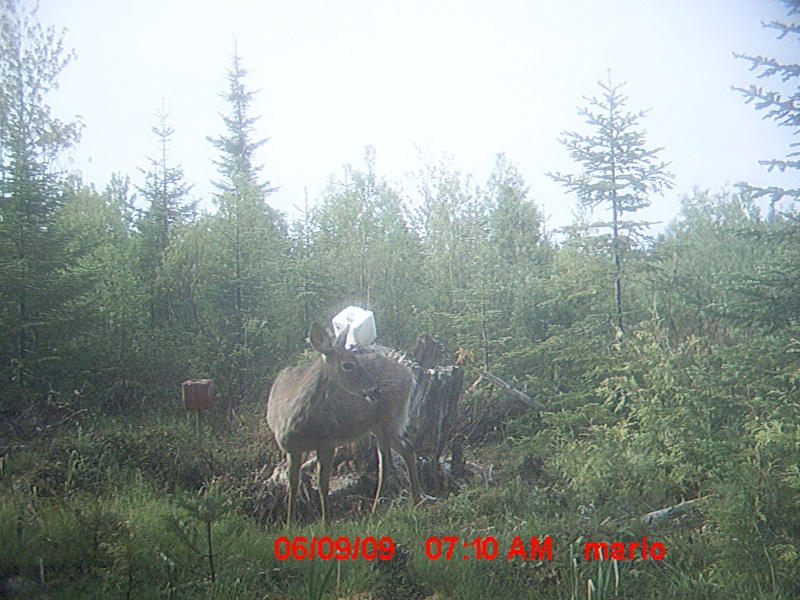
{"x": 447, "y": 548}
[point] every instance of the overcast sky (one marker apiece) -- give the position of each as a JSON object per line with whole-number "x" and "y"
{"x": 470, "y": 78}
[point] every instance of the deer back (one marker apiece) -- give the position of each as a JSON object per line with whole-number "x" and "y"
{"x": 395, "y": 382}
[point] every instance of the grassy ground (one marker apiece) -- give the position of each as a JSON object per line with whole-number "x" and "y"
{"x": 123, "y": 509}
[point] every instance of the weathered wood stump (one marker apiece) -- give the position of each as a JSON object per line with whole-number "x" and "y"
{"x": 434, "y": 407}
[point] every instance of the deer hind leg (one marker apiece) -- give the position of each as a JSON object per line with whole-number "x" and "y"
{"x": 325, "y": 460}
{"x": 294, "y": 460}
{"x": 384, "y": 463}
{"x": 406, "y": 449}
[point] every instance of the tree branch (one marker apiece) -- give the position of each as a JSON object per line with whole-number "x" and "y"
{"x": 518, "y": 395}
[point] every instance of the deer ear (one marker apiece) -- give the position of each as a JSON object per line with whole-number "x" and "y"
{"x": 342, "y": 337}
{"x": 319, "y": 338}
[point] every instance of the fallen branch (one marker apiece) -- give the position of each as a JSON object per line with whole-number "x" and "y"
{"x": 67, "y": 418}
{"x": 521, "y": 396}
{"x": 663, "y": 513}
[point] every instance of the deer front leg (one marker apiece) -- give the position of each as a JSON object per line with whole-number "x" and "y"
{"x": 384, "y": 463}
{"x": 325, "y": 460}
{"x": 294, "y": 460}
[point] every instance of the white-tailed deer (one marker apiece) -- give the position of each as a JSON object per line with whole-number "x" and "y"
{"x": 336, "y": 399}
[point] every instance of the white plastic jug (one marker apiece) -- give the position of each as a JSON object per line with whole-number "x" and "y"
{"x": 362, "y": 326}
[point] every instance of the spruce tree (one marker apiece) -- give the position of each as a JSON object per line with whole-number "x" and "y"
{"x": 777, "y": 282}
{"x": 165, "y": 191}
{"x": 783, "y": 109}
{"x": 241, "y": 197}
{"x": 31, "y": 141}
{"x": 619, "y": 173}
{"x": 246, "y": 265}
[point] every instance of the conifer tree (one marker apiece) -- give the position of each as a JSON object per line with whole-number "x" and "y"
{"x": 785, "y": 110}
{"x": 165, "y": 191}
{"x": 245, "y": 273}
{"x": 618, "y": 173}
{"x": 31, "y": 139}
{"x": 776, "y": 283}
{"x": 241, "y": 196}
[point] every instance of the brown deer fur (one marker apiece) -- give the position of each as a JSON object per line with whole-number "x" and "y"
{"x": 336, "y": 399}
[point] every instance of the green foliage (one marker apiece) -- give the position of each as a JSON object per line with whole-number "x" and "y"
{"x": 369, "y": 254}
{"x": 481, "y": 249}
{"x": 31, "y": 256}
{"x": 241, "y": 295}
{"x": 705, "y": 262}
{"x": 101, "y": 323}
{"x": 318, "y": 580}
{"x": 202, "y": 516}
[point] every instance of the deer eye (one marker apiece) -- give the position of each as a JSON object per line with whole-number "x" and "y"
{"x": 348, "y": 366}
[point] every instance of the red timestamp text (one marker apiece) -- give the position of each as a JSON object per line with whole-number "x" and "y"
{"x": 448, "y": 547}
{"x": 328, "y": 548}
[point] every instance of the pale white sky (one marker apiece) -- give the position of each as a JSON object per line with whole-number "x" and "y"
{"x": 470, "y": 78}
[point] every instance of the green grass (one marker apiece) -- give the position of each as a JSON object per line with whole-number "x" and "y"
{"x": 116, "y": 509}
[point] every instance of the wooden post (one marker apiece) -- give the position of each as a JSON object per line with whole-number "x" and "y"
{"x": 197, "y": 395}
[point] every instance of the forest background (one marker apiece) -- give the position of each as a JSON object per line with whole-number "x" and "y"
{"x": 668, "y": 363}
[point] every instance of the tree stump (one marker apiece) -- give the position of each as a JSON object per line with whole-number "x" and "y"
{"x": 434, "y": 407}
{"x": 438, "y": 382}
